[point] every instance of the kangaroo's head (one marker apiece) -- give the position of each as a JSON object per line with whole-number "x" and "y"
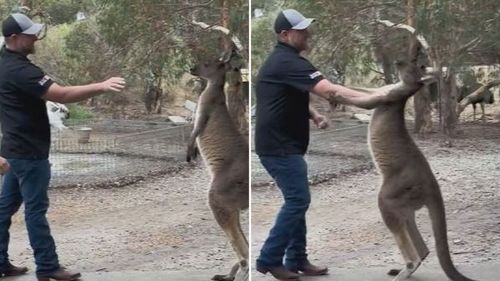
{"x": 212, "y": 69}
{"x": 408, "y": 72}
{"x": 412, "y": 70}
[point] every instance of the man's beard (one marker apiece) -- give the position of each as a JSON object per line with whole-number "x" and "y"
{"x": 29, "y": 50}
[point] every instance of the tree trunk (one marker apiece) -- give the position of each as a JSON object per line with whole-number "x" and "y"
{"x": 422, "y": 99}
{"x": 380, "y": 52}
{"x": 423, "y": 110}
{"x": 227, "y": 44}
{"x": 448, "y": 89}
{"x": 383, "y": 59}
{"x": 235, "y": 98}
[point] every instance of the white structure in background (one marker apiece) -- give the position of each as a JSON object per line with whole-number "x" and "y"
{"x": 191, "y": 106}
{"x": 57, "y": 113}
{"x": 80, "y": 16}
{"x": 257, "y": 13}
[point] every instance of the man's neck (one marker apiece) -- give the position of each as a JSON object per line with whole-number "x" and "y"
{"x": 288, "y": 45}
{"x": 14, "y": 50}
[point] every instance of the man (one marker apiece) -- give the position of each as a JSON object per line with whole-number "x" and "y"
{"x": 281, "y": 139}
{"x": 24, "y": 88}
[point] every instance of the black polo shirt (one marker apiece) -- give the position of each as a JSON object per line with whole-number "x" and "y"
{"x": 282, "y": 95}
{"x": 23, "y": 115}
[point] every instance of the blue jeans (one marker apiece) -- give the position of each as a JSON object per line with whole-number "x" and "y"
{"x": 287, "y": 237}
{"x": 28, "y": 181}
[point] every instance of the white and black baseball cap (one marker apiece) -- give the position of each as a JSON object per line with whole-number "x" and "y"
{"x": 291, "y": 19}
{"x": 20, "y": 23}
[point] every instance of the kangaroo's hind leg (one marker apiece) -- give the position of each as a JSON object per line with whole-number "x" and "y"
{"x": 397, "y": 220}
{"x": 419, "y": 246}
{"x": 227, "y": 216}
{"x": 417, "y": 239}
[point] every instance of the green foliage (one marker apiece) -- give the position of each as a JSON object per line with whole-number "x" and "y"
{"x": 450, "y": 25}
{"x": 263, "y": 40}
{"x": 348, "y": 41}
{"x": 62, "y": 11}
{"x": 130, "y": 38}
{"x": 77, "y": 112}
{"x": 7, "y": 7}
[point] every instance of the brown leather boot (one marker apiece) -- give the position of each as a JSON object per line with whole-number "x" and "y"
{"x": 309, "y": 269}
{"x": 61, "y": 274}
{"x": 12, "y": 270}
{"x": 278, "y": 272}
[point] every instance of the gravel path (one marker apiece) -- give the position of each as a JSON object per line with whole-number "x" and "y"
{"x": 152, "y": 225}
{"x": 346, "y": 229}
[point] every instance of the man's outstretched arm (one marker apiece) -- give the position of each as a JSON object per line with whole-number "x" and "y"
{"x": 368, "y": 98}
{"x": 69, "y": 94}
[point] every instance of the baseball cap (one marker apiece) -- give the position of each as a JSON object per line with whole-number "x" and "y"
{"x": 20, "y": 23}
{"x": 291, "y": 19}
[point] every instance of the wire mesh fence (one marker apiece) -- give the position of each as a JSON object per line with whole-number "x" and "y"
{"x": 115, "y": 152}
{"x": 338, "y": 150}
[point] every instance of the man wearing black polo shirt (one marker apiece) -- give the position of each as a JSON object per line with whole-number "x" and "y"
{"x": 281, "y": 139}
{"x": 24, "y": 88}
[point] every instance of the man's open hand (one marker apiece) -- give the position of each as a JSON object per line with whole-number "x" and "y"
{"x": 115, "y": 84}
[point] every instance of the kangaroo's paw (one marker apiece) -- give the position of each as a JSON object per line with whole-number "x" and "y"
{"x": 226, "y": 277}
{"x": 404, "y": 273}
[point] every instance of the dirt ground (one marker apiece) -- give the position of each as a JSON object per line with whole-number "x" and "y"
{"x": 164, "y": 223}
{"x": 153, "y": 225}
{"x": 345, "y": 229}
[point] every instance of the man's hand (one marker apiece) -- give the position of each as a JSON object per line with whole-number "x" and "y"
{"x": 4, "y": 166}
{"x": 115, "y": 84}
{"x": 320, "y": 121}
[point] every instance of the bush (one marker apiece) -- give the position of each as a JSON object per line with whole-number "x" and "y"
{"x": 77, "y": 112}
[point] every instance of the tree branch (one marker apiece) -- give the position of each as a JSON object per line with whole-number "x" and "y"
{"x": 476, "y": 95}
{"x": 412, "y": 30}
{"x": 469, "y": 46}
{"x": 376, "y": 71}
{"x": 202, "y": 5}
{"x": 234, "y": 38}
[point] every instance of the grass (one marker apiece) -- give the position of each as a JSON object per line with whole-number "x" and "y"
{"x": 77, "y": 112}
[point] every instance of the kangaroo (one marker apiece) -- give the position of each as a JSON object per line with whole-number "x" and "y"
{"x": 408, "y": 183}
{"x": 225, "y": 153}
{"x": 153, "y": 99}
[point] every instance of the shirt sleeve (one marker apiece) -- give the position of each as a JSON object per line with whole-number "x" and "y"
{"x": 33, "y": 81}
{"x": 302, "y": 75}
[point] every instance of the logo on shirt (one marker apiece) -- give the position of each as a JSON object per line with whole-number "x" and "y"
{"x": 315, "y": 74}
{"x": 44, "y": 80}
